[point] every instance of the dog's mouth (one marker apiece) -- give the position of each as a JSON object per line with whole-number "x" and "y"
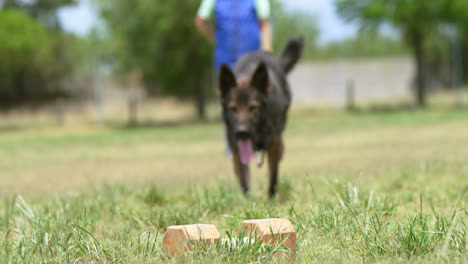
{"x": 246, "y": 150}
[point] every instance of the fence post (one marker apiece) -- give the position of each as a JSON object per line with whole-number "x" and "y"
{"x": 350, "y": 96}
{"x": 60, "y": 112}
{"x": 133, "y": 81}
{"x": 132, "y": 111}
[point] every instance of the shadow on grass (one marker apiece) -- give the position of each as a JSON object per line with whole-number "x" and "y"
{"x": 385, "y": 109}
{"x": 404, "y": 108}
{"x": 162, "y": 124}
{"x": 368, "y": 109}
{"x": 11, "y": 127}
{"x": 14, "y": 126}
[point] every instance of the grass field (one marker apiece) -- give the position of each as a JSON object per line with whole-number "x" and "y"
{"x": 384, "y": 186}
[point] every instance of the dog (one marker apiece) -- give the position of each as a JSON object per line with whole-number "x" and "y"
{"x": 255, "y": 99}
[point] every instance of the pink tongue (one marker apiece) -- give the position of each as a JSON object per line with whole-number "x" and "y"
{"x": 245, "y": 150}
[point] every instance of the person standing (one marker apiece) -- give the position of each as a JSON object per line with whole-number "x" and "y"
{"x": 240, "y": 27}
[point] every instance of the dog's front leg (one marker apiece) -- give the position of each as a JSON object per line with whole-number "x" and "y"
{"x": 243, "y": 174}
{"x": 275, "y": 153}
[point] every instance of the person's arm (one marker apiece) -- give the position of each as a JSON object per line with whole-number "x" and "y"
{"x": 266, "y": 36}
{"x": 264, "y": 12}
{"x": 205, "y": 27}
{"x": 201, "y": 20}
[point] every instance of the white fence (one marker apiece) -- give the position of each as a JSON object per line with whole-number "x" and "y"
{"x": 380, "y": 79}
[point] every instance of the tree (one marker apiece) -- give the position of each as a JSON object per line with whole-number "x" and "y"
{"x": 288, "y": 23}
{"x": 159, "y": 37}
{"x": 42, "y": 10}
{"x": 364, "y": 44}
{"x": 34, "y": 62}
{"x": 414, "y": 18}
{"x": 23, "y": 47}
{"x": 459, "y": 16}
{"x": 464, "y": 50}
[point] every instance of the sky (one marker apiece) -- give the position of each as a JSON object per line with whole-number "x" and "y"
{"x": 80, "y": 19}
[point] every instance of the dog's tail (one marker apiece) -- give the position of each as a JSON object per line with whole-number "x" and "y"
{"x": 291, "y": 54}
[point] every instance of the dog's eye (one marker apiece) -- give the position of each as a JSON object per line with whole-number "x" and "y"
{"x": 233, "y": 109}
{"x": 252, "y": 108}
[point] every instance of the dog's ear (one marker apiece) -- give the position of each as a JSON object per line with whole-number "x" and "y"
{"x": 260, "y": 80}
{"x": 226, "y": 81}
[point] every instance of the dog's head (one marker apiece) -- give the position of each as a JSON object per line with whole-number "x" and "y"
{"x": 243, "y": 102}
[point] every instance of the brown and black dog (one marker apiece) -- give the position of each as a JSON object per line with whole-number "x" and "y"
{"x": 255, "y": 102}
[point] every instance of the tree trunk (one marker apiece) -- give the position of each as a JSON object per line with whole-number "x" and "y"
{"x": 200, "y": 99}
{"x": 132, "y": 111}
{"x": 199, "y": 81}
{"x": 417, "y": 41}
{"x": 464, "y": 56}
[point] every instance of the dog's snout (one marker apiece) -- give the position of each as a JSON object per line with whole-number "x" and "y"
{"x": 242, "y": 131}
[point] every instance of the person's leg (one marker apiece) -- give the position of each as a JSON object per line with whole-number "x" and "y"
{"x": 228, "y": 149}
{"x": 226, "y": 142}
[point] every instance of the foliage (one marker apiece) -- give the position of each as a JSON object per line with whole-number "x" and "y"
{"x": 365, "y": 44}
{"x": 43, "y": 10}
{"x": 464, "y": 44}
{"x": 24, "y": 41}
{"x": 460, "y": 10}
{"x": 289, "y": 23}
{"x": 24, "y": 48}
{"x": 36, "y": 61}
{"x": 415, "y": 19}
{"x": 160, "y": 38}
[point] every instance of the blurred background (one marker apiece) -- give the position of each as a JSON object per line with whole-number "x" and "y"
{"x": 144, "y": 61}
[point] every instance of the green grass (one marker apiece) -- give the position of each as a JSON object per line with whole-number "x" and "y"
{"x": 366, "y": 187}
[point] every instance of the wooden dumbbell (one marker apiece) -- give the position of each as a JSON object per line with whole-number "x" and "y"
{"x": 179, "y": 239}
{"x": 272, "y": 231}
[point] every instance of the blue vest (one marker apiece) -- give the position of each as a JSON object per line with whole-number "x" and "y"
{"x": 237, "y": 30}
